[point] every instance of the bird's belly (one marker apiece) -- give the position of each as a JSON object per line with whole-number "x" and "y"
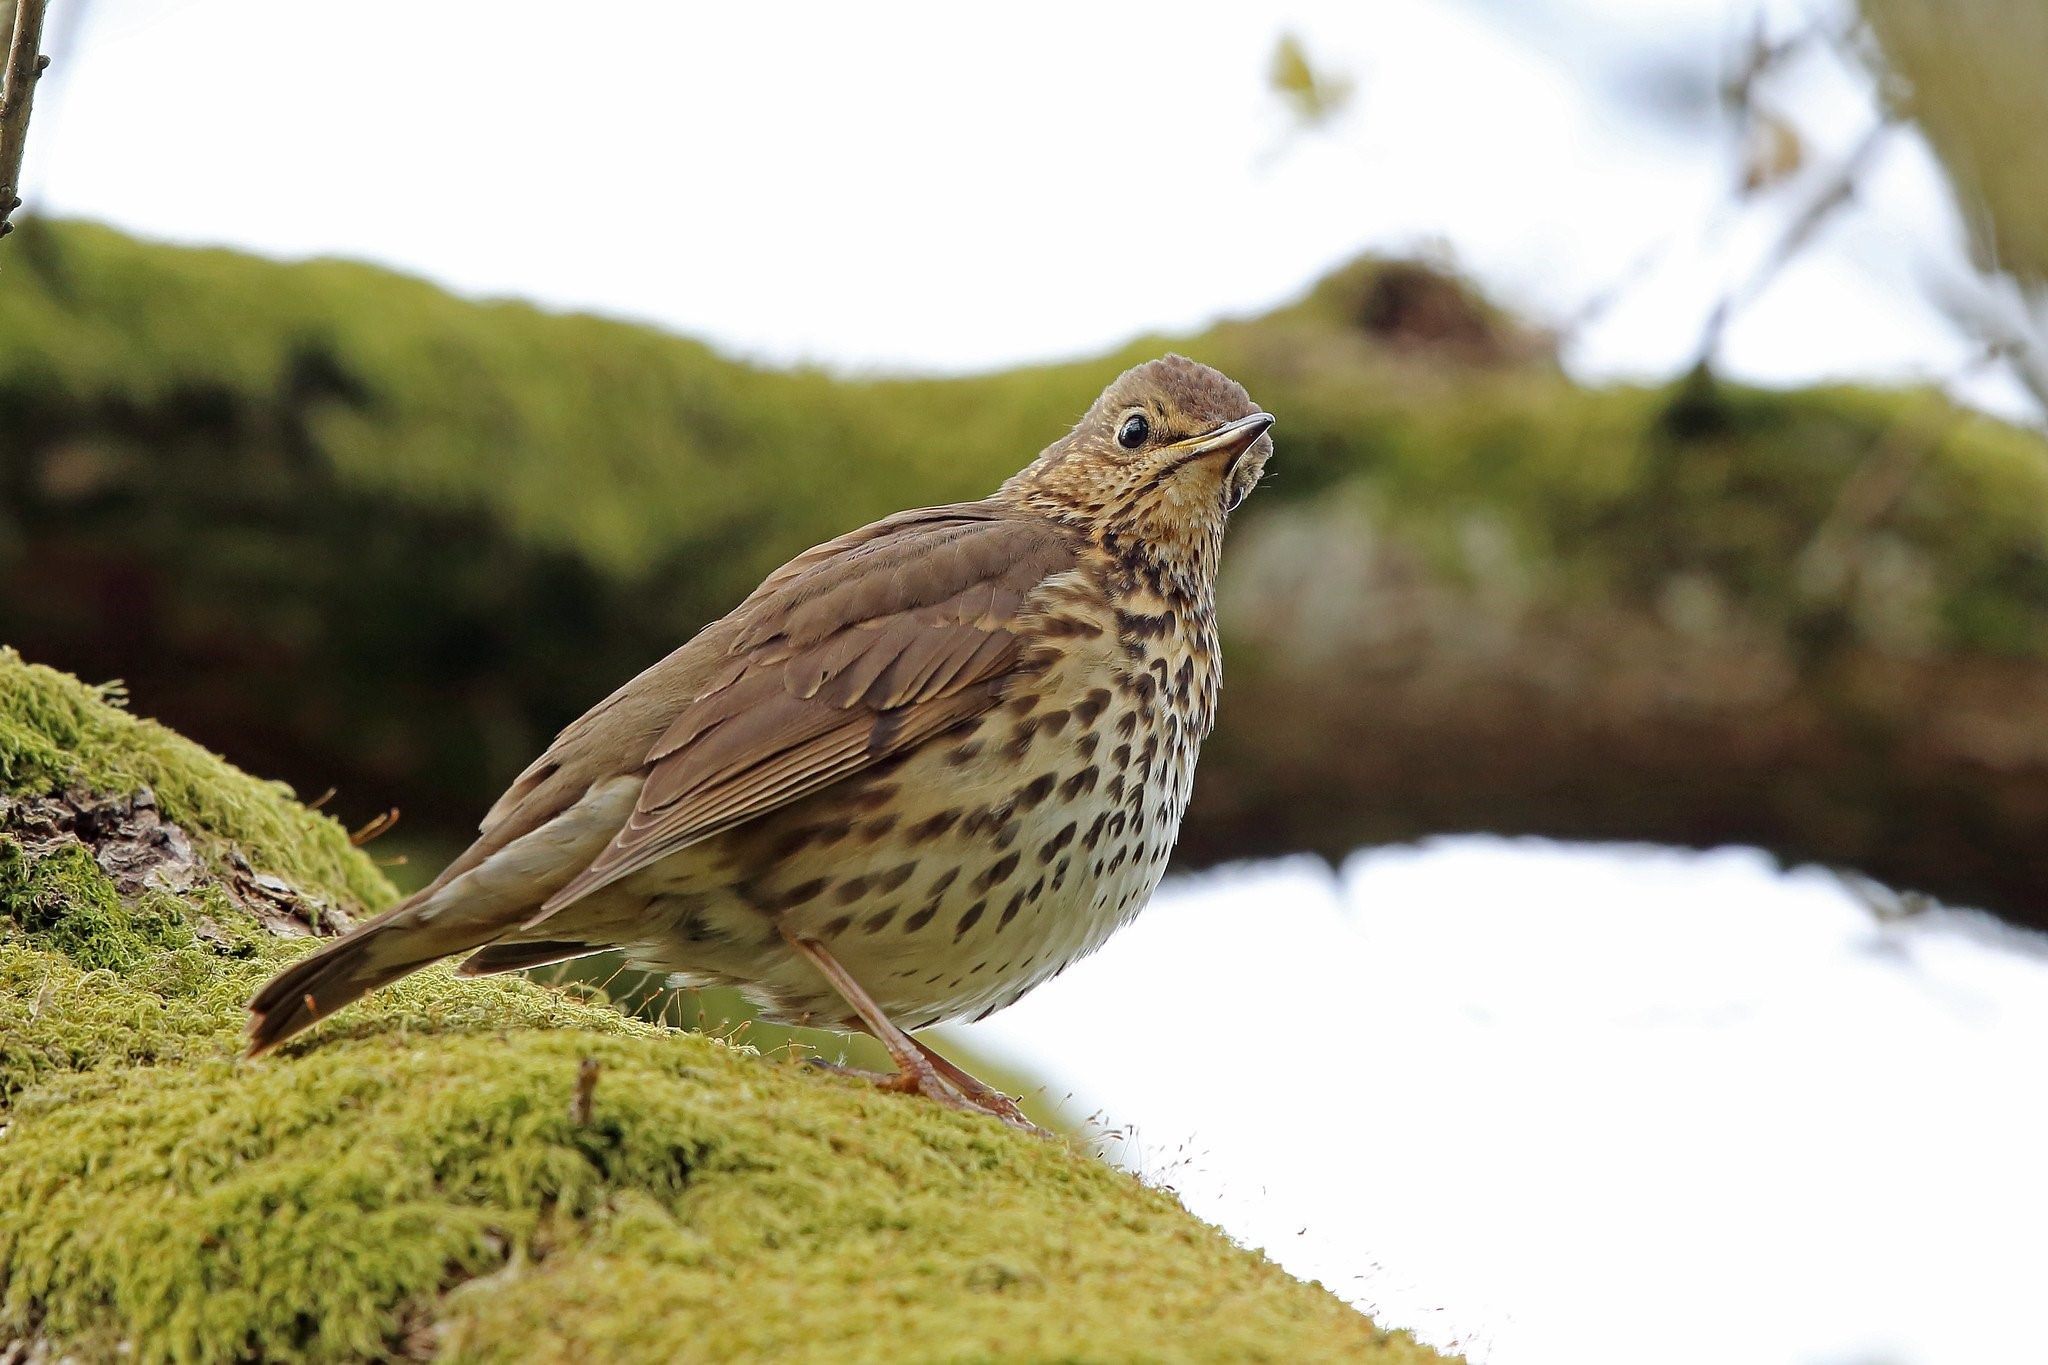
{"x": 947, "y": 886}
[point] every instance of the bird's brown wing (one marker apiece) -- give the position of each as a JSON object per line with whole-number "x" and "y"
{"x": 852, "y": 653}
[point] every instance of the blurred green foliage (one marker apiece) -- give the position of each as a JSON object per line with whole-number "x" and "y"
{"x": 362, "y": 533}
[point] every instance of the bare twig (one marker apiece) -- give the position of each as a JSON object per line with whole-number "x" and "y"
{"x": 1835, "y": 189}
{"x": 376, "y": 827}
{"x": 585, "y": 1093}
{"x": 25, "y": 64}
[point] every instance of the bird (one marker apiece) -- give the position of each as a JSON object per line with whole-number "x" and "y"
{"x": 918, "y": 772}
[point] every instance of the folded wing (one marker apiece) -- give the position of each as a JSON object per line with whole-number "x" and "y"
{"x": 856, "y": 651}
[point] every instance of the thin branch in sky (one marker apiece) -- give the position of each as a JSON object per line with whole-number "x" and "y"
{"x": 25, "y": 64}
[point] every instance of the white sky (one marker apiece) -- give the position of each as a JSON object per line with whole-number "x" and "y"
{"x": 1551, "y": 1105}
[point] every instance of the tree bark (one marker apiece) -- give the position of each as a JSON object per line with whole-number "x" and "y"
{"x": 1368, "y": 701}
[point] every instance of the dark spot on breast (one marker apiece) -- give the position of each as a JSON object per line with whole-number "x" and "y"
{"x": 1083, "y": 781}
{"x": 1007, "y": 835}
{"x": 873, "y": 796}
{"x": 962, "y": 754}
{"x": 1117, "y": 822}
{"x": 1086, "y": 744}
{"x": 875, "y": 830}
{"x": 886, "y": 882}
{"x": 1143, "y": 625}
{"x": 1127, "y": 724}
{"x": 968, "y": 919}
{"x": 996, "y": 871}
{"x": 850, "y": 890}
{"x": 1091, "y": 706}
{"x": 921, "y": 918}
{"x": 792, "y": 842}
{"x": 801, "y": 892}
{"x": 877, "y": 922}
{"x": 946, "y": 879}
{"x": 1049, "y": 850}
{"x": 926, "y": 830}
{"x": 837, "y": 927}
{"x": 1036, "y": 790}
{"x": 1094, "y": 834}
{"x": 1021, "y": 737}
{"x": 1185, "y": 674}
{"x": 1058, "y": 627}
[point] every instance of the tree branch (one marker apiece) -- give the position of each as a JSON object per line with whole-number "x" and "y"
{"x": 25, "y": 64}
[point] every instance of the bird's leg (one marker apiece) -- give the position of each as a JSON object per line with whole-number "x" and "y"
{"x": 914, "y": 1068}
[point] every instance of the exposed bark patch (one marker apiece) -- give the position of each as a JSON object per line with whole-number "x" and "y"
{"x": 140, "y": 852}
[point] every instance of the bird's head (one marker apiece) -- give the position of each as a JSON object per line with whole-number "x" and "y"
{"x": 1161, "y": 460}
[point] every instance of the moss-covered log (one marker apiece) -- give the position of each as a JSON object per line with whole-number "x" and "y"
{"x": 362, "y": 533}
{"x": 486, "y": 1170}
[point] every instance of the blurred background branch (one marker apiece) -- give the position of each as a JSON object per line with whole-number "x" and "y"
{"x": 21, "y": 36}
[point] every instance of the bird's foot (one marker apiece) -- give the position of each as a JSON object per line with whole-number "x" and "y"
{"x": 978, "y": 1093}
{"x": 936, "y": 1083}
{"x": 912, "y": 1080}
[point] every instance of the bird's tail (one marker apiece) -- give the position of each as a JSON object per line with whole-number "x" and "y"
{"x": 396, "y": 943}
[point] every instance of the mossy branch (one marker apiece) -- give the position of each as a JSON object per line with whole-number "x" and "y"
{"x": 25, "y": 67}
{"x": 487, "y": 1170}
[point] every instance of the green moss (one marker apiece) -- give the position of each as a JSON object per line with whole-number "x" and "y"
{"x": 413, "y": 1177}
{"x": 66, "y": 901}
{"x": 323, "y": 1208}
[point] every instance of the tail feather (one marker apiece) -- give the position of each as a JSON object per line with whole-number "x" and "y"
{"x": 483, "y": 895}
{"x": 512, "y": 957}
{"x": 378, "y": 953}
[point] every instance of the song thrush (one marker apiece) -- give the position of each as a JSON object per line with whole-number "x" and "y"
{"x": 919, "y": 771}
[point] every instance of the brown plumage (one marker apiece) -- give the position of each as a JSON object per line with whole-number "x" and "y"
{"x": 918, "y": 771}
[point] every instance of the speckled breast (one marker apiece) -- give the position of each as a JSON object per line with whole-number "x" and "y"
{"x": 955, "y": 880}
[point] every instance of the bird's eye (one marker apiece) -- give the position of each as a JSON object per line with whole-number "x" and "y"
{"x": 1133, "y": 432}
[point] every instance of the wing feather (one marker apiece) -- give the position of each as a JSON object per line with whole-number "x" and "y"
{"x": 839, "y": 661}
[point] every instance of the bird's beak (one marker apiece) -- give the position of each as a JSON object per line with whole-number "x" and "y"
{"x": 1232, "y": 437}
